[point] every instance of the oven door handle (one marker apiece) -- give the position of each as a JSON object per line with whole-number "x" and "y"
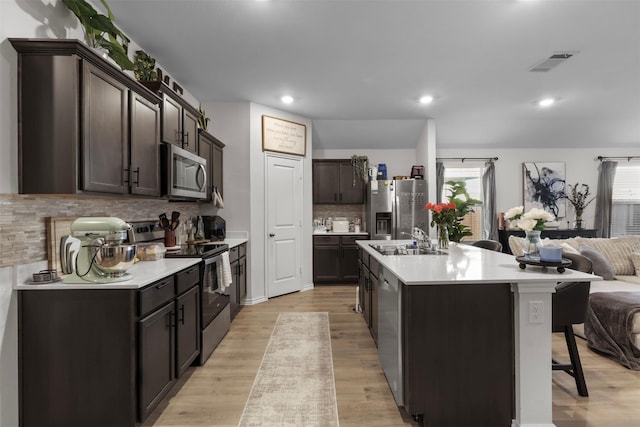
{"x": 212, "y": 260}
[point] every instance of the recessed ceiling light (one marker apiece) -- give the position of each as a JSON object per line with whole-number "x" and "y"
{"x": 547, "y": 102}
{"x": 287, "y": 99}
{"x": 427, "y": 99}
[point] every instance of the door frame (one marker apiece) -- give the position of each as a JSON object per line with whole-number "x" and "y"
{"x": 300, "y": 207}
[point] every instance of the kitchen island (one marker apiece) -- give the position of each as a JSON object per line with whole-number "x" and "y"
{"x": 464, "y": 337}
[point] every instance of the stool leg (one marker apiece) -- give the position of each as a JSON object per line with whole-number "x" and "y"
{"x": 575, "y": 361}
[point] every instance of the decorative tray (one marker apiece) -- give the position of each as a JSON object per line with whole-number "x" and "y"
{"x": 523, "y": 262}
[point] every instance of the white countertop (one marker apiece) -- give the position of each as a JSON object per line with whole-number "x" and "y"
{"x": 331, "y": 233}
{"x": 144, "y": 273}
{"x": 466, "y": 264}
{"x": 233, "y": 242}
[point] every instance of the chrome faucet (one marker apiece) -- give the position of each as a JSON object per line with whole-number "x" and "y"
{"x": 419, "y": 236}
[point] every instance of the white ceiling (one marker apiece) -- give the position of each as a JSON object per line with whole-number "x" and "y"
{"x": 358, "y": 67}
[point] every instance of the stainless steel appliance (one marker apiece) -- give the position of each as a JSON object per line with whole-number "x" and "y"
{"x": 184, "y": 173}
{"x": 214, "y": 227}
{"x": 103, "y": 257}
{"x": 215, "y": 310}
{"x": 395, "y": 207}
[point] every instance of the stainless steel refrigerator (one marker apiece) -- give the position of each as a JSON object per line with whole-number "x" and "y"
{"x": 395, "y": 207}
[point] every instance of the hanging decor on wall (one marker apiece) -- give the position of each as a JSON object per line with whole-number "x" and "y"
{"x": 283, "y": 136}
{"x": 544, "y": 187}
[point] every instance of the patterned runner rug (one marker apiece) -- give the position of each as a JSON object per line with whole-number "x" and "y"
{"x": 295, "y": 384}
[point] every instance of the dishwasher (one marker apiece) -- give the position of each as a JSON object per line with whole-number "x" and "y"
{"x": 389, "y": 333}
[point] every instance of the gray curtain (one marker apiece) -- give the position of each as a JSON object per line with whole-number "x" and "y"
{"x": 489, "y": 217}
{"x": 606, "y": 174}
{"x": 439, "y": 181}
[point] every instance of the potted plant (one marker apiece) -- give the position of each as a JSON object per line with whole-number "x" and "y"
{"x": 360, "y": 168}
{"x": 144, "y": 70}
{"x": 464, "y": 203}
{"x": 100, "y": 32}
{"x": 579, "y": 199}
{"x": 203, "y": 120}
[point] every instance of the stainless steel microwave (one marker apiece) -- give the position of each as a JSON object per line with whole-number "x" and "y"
{"x": 184, "y": 173}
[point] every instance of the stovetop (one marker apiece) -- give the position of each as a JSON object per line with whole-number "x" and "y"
{"x": 205, "y": 250}
{"x": 150, "y": 231}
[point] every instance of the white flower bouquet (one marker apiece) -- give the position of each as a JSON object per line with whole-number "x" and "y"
{"x": 535, "y": 219}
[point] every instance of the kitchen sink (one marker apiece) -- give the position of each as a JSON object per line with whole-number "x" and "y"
{"x": 404, "y": 249}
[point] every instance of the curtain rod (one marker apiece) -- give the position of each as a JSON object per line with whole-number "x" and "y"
{"x": 462, "y": 159}
{"x": 628, "y": 158}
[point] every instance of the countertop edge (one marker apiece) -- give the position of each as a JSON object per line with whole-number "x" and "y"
{"x": 144, "y": 273}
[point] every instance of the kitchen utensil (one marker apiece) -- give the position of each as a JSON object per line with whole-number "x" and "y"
{"x": 164, "y": 221}
{"x": 115, "y": 259}
{"x": 46, "y": 276}
{"x": 174, "y": 220}
{"x": 417, "y": 172}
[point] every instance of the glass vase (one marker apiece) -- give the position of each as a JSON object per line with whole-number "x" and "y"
{"x": 531, "y": 245}
{"x": 578, "y": 224}
{"x": 443, "y": 236}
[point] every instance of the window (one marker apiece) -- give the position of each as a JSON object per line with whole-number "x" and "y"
{"x": 625, "y": 210}
{"x": 472, "y": 176}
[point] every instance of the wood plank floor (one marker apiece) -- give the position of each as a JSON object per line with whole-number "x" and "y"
{"x": 215, "y": 394}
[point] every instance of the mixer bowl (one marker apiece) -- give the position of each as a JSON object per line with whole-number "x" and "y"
{"x": 115, "y": 260}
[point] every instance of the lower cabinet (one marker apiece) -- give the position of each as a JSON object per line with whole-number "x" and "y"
{"x": 368, "y": 284}
{"x": 238, "y": 290}
{"x": 112, "y": 357}
{"x": 335, "y": 259}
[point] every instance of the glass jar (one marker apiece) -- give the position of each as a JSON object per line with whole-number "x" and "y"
{"x": 531, "y": 245}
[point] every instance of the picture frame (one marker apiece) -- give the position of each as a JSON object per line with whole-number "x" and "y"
{"x": 284, "y": 136}
{"x": 543, "y": 187}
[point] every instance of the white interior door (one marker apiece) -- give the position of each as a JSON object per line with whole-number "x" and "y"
{"x": 284, "y": 225}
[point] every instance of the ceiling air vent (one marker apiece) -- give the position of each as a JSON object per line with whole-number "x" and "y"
{"x": 551, "y": 62}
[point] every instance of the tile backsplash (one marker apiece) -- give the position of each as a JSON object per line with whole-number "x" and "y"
{"x": 23, "y": 218}
{"x": 348, "y": 211}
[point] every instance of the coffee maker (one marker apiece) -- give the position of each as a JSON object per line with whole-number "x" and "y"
{"x": 102, "y": 257}
{"x": 214, "y": 228}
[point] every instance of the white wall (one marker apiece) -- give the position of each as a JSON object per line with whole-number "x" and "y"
{"x": 581, "y": 166}
{"x": 426, "y": 155}
{"x": 398, "y": 162}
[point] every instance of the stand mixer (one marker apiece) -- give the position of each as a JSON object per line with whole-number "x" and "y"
{"x": 102, "y": 258}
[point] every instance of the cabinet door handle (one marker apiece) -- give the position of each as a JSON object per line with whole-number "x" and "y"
{"x": 162, "y": 285}
{"x": 335, "y": 197}
{"x": 178, "y": 137}
{"x": 181, "y": 317}
{"x": 137, "y": 175}
{"x": 186, "y": 138}
{"x": 272, "y": 235}
{"x": 169, "y": 319}
{"x": 126, "y": 176}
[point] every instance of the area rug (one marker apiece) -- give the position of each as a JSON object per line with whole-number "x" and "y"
{"x": 295, "y": 385}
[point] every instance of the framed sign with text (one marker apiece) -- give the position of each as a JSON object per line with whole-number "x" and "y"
{"x": 283, "y": 136}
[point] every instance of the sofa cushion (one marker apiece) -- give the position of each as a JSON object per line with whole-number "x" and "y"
{"x": 616, "y": 250}
{"x": 601, "y": 265}
{"x": 635, "y": 259}
{"x": 568, "y": 249}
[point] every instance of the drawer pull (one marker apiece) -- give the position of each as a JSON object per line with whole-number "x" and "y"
{"x": 162, "y": 285}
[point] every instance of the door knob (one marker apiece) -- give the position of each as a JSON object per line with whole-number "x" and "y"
{"x": 271, "y": 235}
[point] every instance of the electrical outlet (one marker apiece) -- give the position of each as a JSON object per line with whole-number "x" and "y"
{"x": 536, "y": 312}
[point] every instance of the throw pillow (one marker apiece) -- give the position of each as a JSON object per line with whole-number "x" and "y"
{"x": 568, "y": 249}
{"x": 601, "y": 266}
{"x": 635, "y": 258}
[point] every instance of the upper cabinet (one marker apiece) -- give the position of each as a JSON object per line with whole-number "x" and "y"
{"x": 211, "y": 148}
{"x": 179, "y": 121}
{"x": 333, "y": 183}
{"x": 83, "y": 125}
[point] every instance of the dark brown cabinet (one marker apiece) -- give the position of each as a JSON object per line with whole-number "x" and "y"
{"x": 83, "y": 125}
{"x": 335, "y": 259}
{"x": 211, "y": 148}
{"x": 156, "y": 358}
{"x": 187, "y": 329}
{"x": 368, "y": 284}
{"x": 112, "y": 357}
{"x": 238, "y": 291}
{"x": 179, "y": 121}
{"x": 333, "y": 183}
{"x": 456, "y": 370}
{"x": 145, "y": 151}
